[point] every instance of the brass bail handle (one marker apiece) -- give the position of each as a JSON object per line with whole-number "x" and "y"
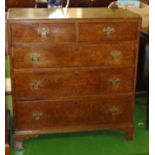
{"x": 35, "y": 57}
{"x": 113, "y": 110}
{"x": 108, "y": 30}
{"x": 114, "y": 81}
{"x": 116, "y": 55}
{"x": 43, "y": 32}
{"x": 37, "y": 115}
{"x": 35, "y": 84}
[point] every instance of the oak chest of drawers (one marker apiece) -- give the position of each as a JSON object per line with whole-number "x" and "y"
{"x": 74, "y": 71}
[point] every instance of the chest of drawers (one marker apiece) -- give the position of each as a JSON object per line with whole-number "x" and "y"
{"x": 72, "y": 72}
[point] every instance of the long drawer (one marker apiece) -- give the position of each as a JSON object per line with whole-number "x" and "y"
{"x": 64, "y": 55}
{"x": 108, "y": 31}
{"x": 37, "y": 115}
{"x": 27, "y": 32}
{"x": 70, "y": 82}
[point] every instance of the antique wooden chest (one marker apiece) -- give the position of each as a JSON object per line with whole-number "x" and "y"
{"x": 72, "y": 71}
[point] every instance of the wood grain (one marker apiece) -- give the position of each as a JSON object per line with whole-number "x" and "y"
{"x": 28, "y": 33}
{"x": 74, "y": 72}
{"x": 71, "y": 82}
{"x": 71, "y": 55}
{"x": 95, "y": 31}
{"x": 68, "y": 112}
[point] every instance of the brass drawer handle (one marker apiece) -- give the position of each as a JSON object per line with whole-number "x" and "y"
{"x": 43, "y": 32}
{"x": 108, "y": 30}
{"x": 114, "y": 81}
{"x": 116, "y": 55}
{"x": 35, "y": 57}
{"x": 113, "y": 110}
{"x": 37, "y": 115}
{"x": 35, "y": 84}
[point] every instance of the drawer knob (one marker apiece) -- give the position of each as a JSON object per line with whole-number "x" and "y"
{"x": 116, "y": 55}
{"x": 37, "y": 115}
{"x": 35, "y": 84}
{"x": 35, "y": 57}
{"x": 108, "y": 30}
{"x": 114, "y": 81}
{"x": 43, "y": 32}
{"x": 113, "y": 110}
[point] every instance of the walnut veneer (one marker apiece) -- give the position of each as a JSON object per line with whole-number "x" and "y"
{"x": 72, "y": 72}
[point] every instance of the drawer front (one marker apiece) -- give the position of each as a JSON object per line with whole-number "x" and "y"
{"x": 57, "y": 114}
{"x": 95, "y": 32}
{"x": 42, "y": 33}
{"x": 70, "y": 55}
{"x": 72, "y": 82}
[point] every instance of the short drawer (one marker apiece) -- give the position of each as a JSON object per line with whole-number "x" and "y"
{"x": 108, "y": 31}
{"x": 62, "y": 55}
{"x": 92, "y": 112}
{"x": 40, "y": 33}
{"x": 69, "y": 82}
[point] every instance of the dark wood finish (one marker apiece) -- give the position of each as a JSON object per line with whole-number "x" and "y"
{"x": 41, "y": 3}
{"x": 101, "y": 3}
{"x": 87, "y": 3}
{"x": 78, "y": 73}
{"x": 7, "y": 133}
{"x": 77, "y": 3}
{"x": 7, "y": 149}
{"x": 19, "y": 3}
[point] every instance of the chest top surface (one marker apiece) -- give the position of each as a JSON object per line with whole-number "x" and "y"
{"x": 71, "y": 13}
